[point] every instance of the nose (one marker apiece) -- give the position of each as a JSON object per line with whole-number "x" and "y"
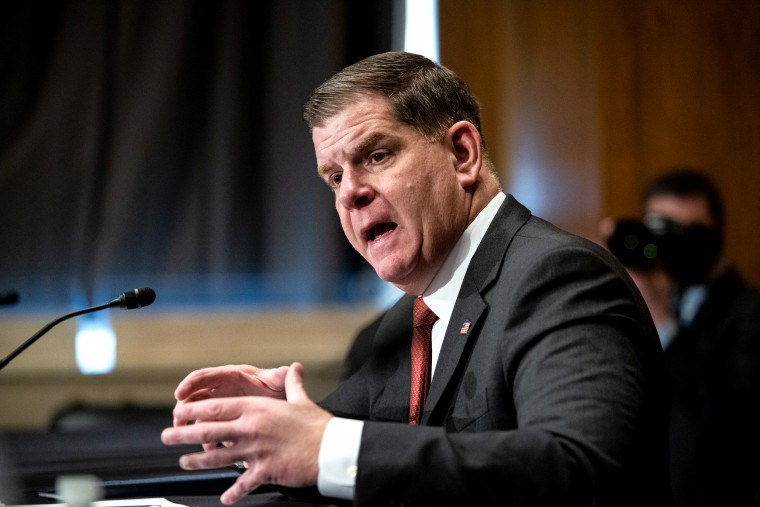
{"x": 355, "y": 191}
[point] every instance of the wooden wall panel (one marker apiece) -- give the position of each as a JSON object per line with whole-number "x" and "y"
{"x": 585, "y": 101}
{"x": 462, "y": 50}
{"x": 680, "y": 84}
{"x": 540, "y": 82}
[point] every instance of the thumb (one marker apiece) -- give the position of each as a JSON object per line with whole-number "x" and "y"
{"x": 294, "y": 389}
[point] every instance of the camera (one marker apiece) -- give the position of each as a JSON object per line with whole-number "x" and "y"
{"x": 634, "y": 245}
{"x": 687, "y": 253}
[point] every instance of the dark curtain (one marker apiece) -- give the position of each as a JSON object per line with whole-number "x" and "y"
{"x": 160, "y": 143}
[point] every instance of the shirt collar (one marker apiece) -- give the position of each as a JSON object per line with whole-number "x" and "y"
{"x": 441, "y": 294}
{"x": 690, "y": 303}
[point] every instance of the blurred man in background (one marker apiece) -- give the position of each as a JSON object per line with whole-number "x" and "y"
{"x": 708, "y": 320}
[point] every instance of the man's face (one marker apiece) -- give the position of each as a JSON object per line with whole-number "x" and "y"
{"x": 684, "y": 210}
{"x": 397, "y": 194}
{"x": 689, "y": 255}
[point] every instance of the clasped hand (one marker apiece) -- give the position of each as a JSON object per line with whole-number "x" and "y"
{"x": 263, "y": 417}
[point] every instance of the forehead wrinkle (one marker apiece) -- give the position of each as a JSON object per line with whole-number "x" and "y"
{"x": 385, "y": 139}
{"x": 359, "y": 126}
{"x": 331, "y": 143}
{"x": 369, "y": 141}
{"x": 362, "y": 146}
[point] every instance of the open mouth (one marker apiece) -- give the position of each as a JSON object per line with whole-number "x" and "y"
{"x": 379, "y": 230}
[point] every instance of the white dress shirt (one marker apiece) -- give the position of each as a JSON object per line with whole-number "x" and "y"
{"x": 339, "y": 452}
{"x": 689, "y": 304}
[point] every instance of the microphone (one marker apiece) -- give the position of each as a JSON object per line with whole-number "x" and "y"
{"x": 136, "y": 298}
{"x": 8, "y": 298}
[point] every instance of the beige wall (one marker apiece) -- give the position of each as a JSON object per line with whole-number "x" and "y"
{"x": 156, "y": 350}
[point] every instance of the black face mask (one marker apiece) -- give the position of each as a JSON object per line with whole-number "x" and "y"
{"x": 687, "y": 253}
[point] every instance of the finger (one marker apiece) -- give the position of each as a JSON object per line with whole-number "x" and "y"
{"x": 212, "y": 409}
{"x": 177, "y": 420}
{"x": 218, "y": 445}
{"x": 203, "y": 433}
{"x": 270, "y": 380}
{"x": 295, "y": 392}
{"x": 201, "y": 394}
{"x": 607, "y": 227}
{"x": 213, "y": 458}
{"x": 205, "y": 379}
{"x": 242, "y": 486}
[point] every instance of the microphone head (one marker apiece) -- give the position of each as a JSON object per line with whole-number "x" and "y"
{"x": 136, "y": 298}
{"x": 8, "y": 298}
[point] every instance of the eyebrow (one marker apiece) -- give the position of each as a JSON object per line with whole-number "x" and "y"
{"x": 363, "y": 146}
{"x": 369, "y": 141}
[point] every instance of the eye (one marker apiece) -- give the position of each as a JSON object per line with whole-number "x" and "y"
{"x": 378, "y": 156}
{"x": 334, "y": 180}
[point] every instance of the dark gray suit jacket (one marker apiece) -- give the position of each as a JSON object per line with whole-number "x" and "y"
{"x": 714, "y": 370}
{"x": 552, "y": 395}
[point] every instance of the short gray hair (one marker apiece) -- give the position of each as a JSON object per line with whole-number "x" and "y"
{"x": 422, "y": 93}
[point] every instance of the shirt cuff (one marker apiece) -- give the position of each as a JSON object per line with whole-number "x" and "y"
{"x": 338, "y": 457}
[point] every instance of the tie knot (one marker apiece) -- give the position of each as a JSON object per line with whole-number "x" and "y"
{"x": 423, "y": 316}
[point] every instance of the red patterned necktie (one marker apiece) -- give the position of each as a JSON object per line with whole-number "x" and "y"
{"x": 421, "y": 358}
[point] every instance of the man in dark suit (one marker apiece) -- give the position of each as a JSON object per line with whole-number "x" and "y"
{"x": 709, "y": 323}
{"x": 546, "y": 370}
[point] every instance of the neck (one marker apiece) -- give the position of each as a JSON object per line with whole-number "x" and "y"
{"x": 483, "y": 192}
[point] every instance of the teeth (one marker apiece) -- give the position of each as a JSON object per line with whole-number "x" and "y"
{"x": 379, "y": 230}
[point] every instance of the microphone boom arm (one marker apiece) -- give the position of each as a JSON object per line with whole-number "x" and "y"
{"x": 137, "y": 298}
{"x": 47, "y": 328}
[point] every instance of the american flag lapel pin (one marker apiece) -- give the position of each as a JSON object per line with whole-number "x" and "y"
{"x": 465, "y": 327}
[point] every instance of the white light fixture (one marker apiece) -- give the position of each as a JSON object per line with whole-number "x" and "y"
{"x": 95, "y": 346}
{"x": 421, "y": 28}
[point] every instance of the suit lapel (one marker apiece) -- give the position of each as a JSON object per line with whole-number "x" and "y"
{"x": 463, "y": 326}
{"x": 470, "y": 309}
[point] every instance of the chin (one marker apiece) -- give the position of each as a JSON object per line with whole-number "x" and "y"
{"x": 395, "y": 269}
{"x": 390, "y": 275}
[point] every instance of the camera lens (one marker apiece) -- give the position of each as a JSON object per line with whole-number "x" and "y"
{"x": 633, "y": 244}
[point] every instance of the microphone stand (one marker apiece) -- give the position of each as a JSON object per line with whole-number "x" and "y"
{"x": 47, "y": 328}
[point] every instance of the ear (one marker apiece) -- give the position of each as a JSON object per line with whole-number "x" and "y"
{"x": 467, "y": 149}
